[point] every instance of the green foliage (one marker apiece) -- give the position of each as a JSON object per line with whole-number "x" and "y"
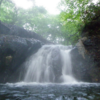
{"x": 92, "y": 13}
{"x": 78, "y": 16}
{"x": 72, "y": 19}
{"x": 35, "y": 19}
{"x": 64, "y": 28}
{"x": 6, "y": 11}
{"x": 91, "y": 18}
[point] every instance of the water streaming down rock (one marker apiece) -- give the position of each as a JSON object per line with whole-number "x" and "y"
{"x": 50, "y": 64}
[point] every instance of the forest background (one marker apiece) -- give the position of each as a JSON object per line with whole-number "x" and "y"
{"x": 63, "y": 28}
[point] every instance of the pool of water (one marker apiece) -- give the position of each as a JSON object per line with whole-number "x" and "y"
{"x": 44, "y": 91}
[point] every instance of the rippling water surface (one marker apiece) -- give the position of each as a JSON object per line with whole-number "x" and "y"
{"x": 36, "y": 91}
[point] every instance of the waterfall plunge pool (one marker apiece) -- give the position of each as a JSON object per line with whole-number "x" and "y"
{"x": 49, "y": 76}
{"x": 49, "y": 91}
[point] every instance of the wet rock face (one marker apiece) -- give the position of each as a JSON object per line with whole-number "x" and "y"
{"x": 87, "y": 69}
{"x": 13, "y": 52}
{"x": 92, "y": 44}
{"x": 56, "y": 63}
{"x": 16, "y": 45}
{"x": 81, "y": 66}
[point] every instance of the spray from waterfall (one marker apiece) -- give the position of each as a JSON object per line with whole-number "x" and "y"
{"x": 51, "y": 63}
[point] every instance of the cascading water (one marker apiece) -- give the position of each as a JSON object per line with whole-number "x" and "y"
{"x": 51, "y": 63}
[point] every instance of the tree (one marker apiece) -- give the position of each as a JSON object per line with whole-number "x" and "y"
{"x": 35, "y": 19}
{"x": 72, "y": 18}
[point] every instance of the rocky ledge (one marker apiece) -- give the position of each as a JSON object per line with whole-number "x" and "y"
{"x": 16, "y": 45}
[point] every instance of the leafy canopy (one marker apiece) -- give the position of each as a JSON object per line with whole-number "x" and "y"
{"x": 64, "y": 28}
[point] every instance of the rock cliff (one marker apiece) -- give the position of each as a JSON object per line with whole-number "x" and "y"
{"x": 16, "y": 45}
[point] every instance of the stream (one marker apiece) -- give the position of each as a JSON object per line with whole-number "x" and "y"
{"x": 49, "y": 91}
{"x": 49, "y": 76}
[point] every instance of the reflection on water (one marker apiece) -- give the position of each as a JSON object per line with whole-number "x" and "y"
{"x": 35, "y": 91}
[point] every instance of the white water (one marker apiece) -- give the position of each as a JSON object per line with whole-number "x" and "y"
{"x": 50, "y": 64}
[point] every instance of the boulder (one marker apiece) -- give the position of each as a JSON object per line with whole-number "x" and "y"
{"x": 21, "y": 32}
{"x": 56, "y": 63}
{"x": 16, "y": 45}
{"x": 87, "y": 68}
{"x": 80, "y": 66}
{"x": 13, "y": 52}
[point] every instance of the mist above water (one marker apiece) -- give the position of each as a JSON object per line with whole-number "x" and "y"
{"x": 50, "y": 64}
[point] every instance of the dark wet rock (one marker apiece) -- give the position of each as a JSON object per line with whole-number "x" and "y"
{"x": 13, "y": 52}
{"x": 94, "y": 53}
{"x": 92, "y": 28}
{"x": 88, "y": 42}
{"x": 21, "y": 32}
{"x": 16, "y": 45}
{"x": 80, "y": 66}
{"x": 56, "y": 63}
{"x": 87, "y": 69}
{"x": 4, "y": 29}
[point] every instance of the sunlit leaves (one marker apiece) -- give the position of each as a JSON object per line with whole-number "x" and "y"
{"x": 72, "y": 18}
{"x": 58, "y": 28}
{"x": 35, "y": 19}
{"x": 6, "y": 11}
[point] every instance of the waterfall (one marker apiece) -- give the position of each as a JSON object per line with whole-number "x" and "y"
{"x": 51, "y": 63}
